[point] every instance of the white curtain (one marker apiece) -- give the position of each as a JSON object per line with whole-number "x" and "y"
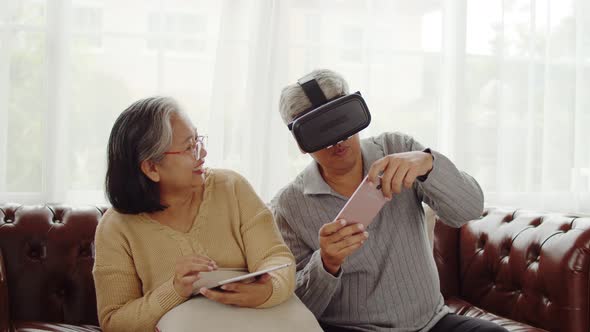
{"x": 501, "y": 87}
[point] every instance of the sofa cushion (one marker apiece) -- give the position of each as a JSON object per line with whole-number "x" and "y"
{"x": 464, "y": 308}
{"x": 49, "y": 327}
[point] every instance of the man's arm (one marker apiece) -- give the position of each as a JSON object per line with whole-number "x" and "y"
{"x": 455, "y": 196}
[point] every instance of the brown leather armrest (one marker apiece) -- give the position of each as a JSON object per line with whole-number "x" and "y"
{"x": 4, "y": 312}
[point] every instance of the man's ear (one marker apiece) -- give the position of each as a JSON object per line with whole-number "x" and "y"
{"x": 150, "y": 169}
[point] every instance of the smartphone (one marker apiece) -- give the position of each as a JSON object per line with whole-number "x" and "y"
{"x": 364, "y": 204}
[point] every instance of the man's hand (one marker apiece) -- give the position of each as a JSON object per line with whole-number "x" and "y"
{"x": 337, "y": 241}
{"x": 400, "y": 169}
{"x": 187, "y": 272}
{"x": 240, "y": 294}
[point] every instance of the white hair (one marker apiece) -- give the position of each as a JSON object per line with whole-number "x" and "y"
{"x": 152, "y": 115}
{"x": 293, "y": 100}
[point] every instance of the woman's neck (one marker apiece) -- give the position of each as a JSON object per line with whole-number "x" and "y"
{"x": 182, "y": 208}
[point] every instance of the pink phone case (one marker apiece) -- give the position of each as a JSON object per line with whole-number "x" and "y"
{"x": 364, "y": 204}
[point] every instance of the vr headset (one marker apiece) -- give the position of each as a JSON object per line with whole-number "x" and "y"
{"x": 328, "y": 122}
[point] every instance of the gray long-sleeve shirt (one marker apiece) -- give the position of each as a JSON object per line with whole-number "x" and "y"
{"x": 391, "y": 283}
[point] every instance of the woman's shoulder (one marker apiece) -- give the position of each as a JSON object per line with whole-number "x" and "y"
{"x": 226, "y": 176}
{"x": 232, "y": 184}
{"x": 115, "y": 222}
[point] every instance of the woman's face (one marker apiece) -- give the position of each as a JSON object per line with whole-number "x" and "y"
{"x": 181, "y": 169}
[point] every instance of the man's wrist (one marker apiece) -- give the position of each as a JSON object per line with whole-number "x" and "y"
{"x": 330, "y": 268}
{"x": 423, "y": 177}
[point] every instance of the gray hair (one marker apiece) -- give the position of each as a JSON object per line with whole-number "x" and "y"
{"x": 151, "y": 116}
{"x": 142, "y": 132}
{"x": 293, "y": 100}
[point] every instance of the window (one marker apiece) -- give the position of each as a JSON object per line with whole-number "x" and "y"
{"x": 87, "y": 27}
{"x": 177, "y": 32}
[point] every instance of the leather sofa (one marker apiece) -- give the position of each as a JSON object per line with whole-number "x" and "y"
{"x": 520, "y": 269}
{"x": 46, "y": 258}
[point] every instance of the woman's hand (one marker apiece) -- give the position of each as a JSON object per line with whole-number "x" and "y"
{"x": 400, "y": 169}
{"x": 187, "y": 272}
{"x": 240, "y": 294}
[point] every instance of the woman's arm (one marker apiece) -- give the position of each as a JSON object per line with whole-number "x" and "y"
{"x": 264, "y": 246}
{"x": 121, "y": 304}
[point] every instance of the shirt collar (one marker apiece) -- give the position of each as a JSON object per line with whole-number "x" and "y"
{"x": 313, "y": 182}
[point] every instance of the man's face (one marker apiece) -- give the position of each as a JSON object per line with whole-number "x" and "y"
{"x": 341, "y": 156}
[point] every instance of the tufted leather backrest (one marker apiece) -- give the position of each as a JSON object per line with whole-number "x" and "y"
{"x": 49, "y": 253}
{"x": 528, "y": 266}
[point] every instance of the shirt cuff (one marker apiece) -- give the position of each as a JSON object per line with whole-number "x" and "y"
{"x": 167, "y": 296}
{"x": 424, "y": 177}
{"x": 318, "y": 270}
{"x": 275, "y": 296}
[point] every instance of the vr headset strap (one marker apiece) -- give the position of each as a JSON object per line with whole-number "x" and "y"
{"x": 312, "y": 90}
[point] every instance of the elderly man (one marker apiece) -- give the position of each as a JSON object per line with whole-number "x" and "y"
{"x": 377, "y": 278}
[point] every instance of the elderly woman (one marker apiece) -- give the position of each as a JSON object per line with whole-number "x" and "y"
{"x": 172, "y": 219}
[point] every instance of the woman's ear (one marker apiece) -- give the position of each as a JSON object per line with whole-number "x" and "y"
{"x": 150, "y": 169}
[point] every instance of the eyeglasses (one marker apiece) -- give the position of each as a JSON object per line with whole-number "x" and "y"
{"x": 195, "y": 148}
